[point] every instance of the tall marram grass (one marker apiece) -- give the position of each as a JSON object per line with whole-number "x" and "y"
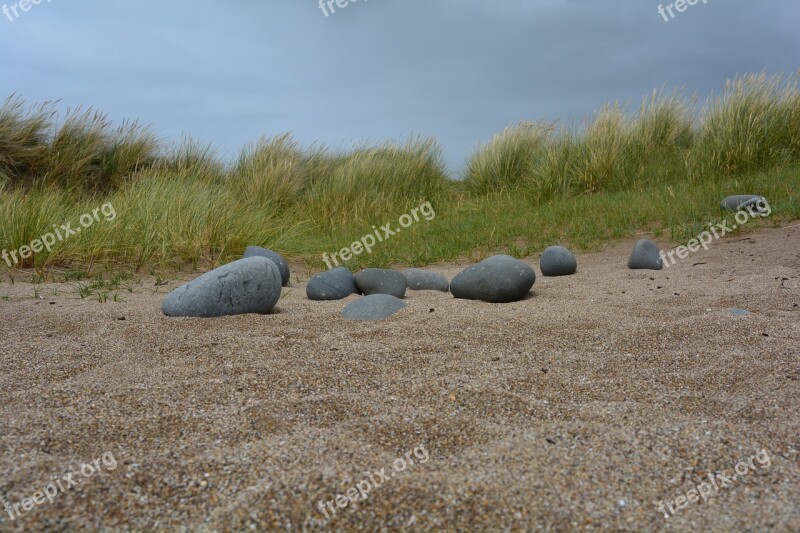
{"x": 23, "y": 140}
{"x": 508, "y": 159}
{"x": 372, "y": 181}
{"x": 83, "y": 152}
{"x": 270, "y": 172}
{"x": 612, "y": 150}
{"x": 753, "y": 125}
{"x": 186, "y": 206}
{"x": 193, "y": 159}
{"x": 531, "y": 184}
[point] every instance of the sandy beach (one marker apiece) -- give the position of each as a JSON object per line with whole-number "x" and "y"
{"x": 589, "y": 405}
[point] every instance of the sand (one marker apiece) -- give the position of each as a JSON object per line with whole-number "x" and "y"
{"x": 581, "y": 407}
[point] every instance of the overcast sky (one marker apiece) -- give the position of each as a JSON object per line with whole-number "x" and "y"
{"x": 229, "y": 72}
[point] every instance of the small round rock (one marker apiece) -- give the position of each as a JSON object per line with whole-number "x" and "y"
{"x": 373, "y": 307}
{"x": 381, "y": 281}
{"x": 646, "y": 256}
{"x": 332, "y": 285}
{"x": 558, "y": 261}
{"x": 425, "y": 280}
{"x": 275, "y": 257}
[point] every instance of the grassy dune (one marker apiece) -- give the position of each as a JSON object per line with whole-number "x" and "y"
{"x": 663, "y": 168}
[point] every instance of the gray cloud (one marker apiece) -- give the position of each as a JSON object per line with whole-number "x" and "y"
{"x": 461, "y": 70}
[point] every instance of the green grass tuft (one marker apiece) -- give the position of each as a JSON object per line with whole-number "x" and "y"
{"x": 662, "y": 168}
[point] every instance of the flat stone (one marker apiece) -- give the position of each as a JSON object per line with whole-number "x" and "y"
{"x": 498, "y": 279}
{"x": 381, "y": 281}
{"x": 251, "y": 285}
{"x": 275, "y": 257}
{"x": 425, "y": 280}
{"x": 373, "y": 307}
{"x": 558, "y": 261}
{"x": 332, "y": 285}
{"x": 738, "y": 312}
{"x": 645, "y": 255}
{"x": 742, "y": 201}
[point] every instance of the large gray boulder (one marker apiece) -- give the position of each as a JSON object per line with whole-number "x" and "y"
{"x": 742, "y": 201}
{"x": 558, "y": 261}
{"x": 498, "y": 279}
{"x": 332, "y": 285}
{"x": 381, "y": 281}
{"x": 646, "y": 256}
{"x": 251, "y": 285}
{"x": 425, "y": 280}
{"x": 373, "y": 307}
{"x": 275, "y": 257}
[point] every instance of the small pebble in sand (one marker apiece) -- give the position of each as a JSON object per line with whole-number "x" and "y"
{"x": 645, "y": 255}
{"x": 373, "y": 307}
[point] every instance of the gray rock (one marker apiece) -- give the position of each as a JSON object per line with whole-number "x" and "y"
{"x": 381, "y": 281}
{"x": 373, "y": 307}
{"x": 275, "y": 257}
{"x": 251, "y": 285}
{"x": 738, "y": 312}
{"x": 742, "y": 201}
{"x": 332, "y": 285}
{"x": 498, "y": 279}
{"x": 645, "y": 255}
{"x": 558, "y": 261}
{"x": 424, "y": 280}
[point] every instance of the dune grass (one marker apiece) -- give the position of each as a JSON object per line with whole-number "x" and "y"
{"x": 661, "y": 168}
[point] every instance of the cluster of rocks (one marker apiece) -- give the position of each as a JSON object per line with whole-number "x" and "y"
{"x": 499, "y": 279}
{"x": 253, "y": 284}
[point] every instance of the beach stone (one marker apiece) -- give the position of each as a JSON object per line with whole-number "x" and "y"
{"x": 558, "y": 261}
{"x": 332, "y": 285}
{"x": 251, "y": 285}
{"x": 424, "y": 280}
{"x": 381, "y": 281}
{"x": 275, "y": 257}
{"x": 738, "y": 312}
{"x": 742, "y": 201}
{"x": 373, "y": 307}
{"x": 645, "y": 255}
{"x": 498, "y": 279}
